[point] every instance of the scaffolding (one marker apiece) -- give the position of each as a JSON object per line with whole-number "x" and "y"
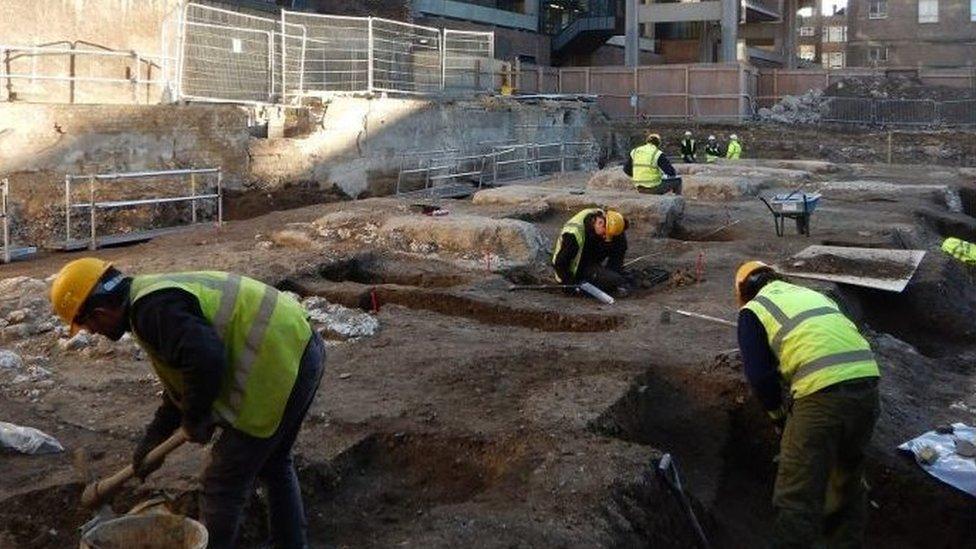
{"x": 93, "y": 205}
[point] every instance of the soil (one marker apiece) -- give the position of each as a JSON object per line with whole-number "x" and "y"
{"x": 894, "y": 87}
{"x": 837, "y": 265}
{"x": 481, "y": 417}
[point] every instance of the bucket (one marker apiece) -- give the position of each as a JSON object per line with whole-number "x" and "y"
{"x": 154, "y": 531}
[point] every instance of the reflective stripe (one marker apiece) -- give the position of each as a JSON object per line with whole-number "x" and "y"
{"x": 787, "y": 324}
{"x": 252, "y": 344}
{"x": 792, "y": 323}
{"x": 228, "y": 297}
{"x": 831, "y": 360}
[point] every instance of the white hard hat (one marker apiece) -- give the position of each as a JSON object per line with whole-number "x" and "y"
{"x": 687, "y": 134}
{"x": 711, "y": 138}
{"x": 733, "y": 136}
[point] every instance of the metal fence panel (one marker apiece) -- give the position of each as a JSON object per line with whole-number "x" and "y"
{"x": 895, "y": 112}
{"x": 958, "y": 113}
{"x": 469, "y": 60}
{"x": 335, "y": 53}
{"x": 405, "y": 58}
{"x": 228, "y": 56}
{"x": 856, "y": 110}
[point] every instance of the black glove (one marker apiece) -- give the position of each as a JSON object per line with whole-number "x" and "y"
{"x": 199, "y": 431}
{"x": 166, "y": 420}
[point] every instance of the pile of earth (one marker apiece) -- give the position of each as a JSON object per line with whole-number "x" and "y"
{"x": 894, "y": 87}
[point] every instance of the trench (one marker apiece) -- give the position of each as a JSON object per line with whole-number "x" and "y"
{"x": 366, "y": 282}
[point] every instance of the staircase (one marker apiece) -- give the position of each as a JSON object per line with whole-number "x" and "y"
{"x": 587, "y": 28}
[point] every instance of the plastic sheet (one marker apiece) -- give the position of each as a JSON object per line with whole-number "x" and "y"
{"x": 949, "y": 467}
{"x": 28, "y": 440}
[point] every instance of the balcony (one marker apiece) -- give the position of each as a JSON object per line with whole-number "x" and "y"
{"x": 760, "y": 11}
{"x": 581, "y": 26}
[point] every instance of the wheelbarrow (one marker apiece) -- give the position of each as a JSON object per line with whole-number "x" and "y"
{"x": 795, "y": 205}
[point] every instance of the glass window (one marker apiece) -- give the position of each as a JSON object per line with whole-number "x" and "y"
{"x": 928, "y": 11}
{"x": 836, "y": 60}
{"x": 972, "y": 10}
{"x": 878, "y": 54}
{"x": 808, "y": 31}
{"x": 878, "y": 9}
{"x": 808, "y": 52}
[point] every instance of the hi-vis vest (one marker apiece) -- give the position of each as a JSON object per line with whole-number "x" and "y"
{"x": 960, "y": 249}
{"x": 734, "y": 151}
{"x": 575, "y": 226}
{"x": 646, "y": 172}
{"x": 711, "y": 152}
{"x": 264, "y": 333}
{"x": 817, "y": 346}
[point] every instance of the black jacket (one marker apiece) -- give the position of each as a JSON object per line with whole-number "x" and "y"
{"x": 688, "y": 147}
{"x": 171, "y": 325}
{"x": 596, "y": 250}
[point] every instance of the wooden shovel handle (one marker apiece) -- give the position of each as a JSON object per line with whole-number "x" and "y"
{"x": 97, "y": 492}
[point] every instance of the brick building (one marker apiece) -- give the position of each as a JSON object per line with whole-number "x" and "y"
{"x": 822, "y": 34}
{"x": 912, "y": 33}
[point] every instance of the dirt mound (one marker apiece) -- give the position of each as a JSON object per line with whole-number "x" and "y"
{"x": 894, "y": 87}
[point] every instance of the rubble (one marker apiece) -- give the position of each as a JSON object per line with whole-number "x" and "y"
{"x": 334, "y": 321}
{"x": 808, "y": 108}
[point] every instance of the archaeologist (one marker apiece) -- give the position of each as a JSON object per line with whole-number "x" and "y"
{"x": 796, "y": 339}
{"x": 960, "y": 249}
{"x": 651, "y": 171}
{"x": 688, "y": 148}
{"x": 589, "y": 239}
{"x": 231, "y": 352}
{"x": 734, "y": 150}
{"x": 712, "y": 152}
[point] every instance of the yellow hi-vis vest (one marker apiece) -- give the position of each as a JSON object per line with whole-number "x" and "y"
{"x": 960, "y": 249}
{"x": 816, "y": 345}
{"x": 646, "y": 172}
{"x": 575, "y": 226}
{"x": 734, "y": 151}
{"x": 264, "y": 333}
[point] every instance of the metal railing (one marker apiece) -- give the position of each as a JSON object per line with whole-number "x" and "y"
{"x": 93, "y": 205}
{"x": 227, "y": 56}
{"x": 448, "y": 171}
{"x": 900, "y": 112}
{"x": 89, "y": 71}
{"x": 4, "y": 192}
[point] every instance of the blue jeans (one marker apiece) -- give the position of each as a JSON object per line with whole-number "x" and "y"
{"x": 238, "y": 459}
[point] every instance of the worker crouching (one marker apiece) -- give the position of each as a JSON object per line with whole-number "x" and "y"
{"x": 650, "y": 169}
{"x": 591, "y": 248}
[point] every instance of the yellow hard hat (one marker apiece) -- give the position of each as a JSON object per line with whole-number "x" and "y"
{"x": 746, "y": 270}
{"x": 653, "y": 136}
{"x": 615, "y": 224}
{"x": 73, "y": 285}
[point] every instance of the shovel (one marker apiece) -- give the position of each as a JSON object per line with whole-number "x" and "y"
{"x": 97, "y": 493}
{"x": 669, "y": 471}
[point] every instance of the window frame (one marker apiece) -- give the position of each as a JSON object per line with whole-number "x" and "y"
{"x": 875, "y": 10}
{"x": 930, "y": 18}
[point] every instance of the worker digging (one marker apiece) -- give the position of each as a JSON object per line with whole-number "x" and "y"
{"x": 232, "y": 353}
{"x": 797, "y": 341}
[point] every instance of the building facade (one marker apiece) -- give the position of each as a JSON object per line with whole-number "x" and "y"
{"x": 822, "y": 35}
{"x": 912, "y": 33}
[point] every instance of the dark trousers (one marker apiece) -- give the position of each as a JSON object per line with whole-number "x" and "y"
{"x": 666, "y": 186}
{"x": 688, "y": 158}
{"x": 606, "y": 279}
{"x": 238, "y": 459}
{"x": 820, "y": 493}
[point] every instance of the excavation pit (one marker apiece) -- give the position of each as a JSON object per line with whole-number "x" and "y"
{"x": 481, "y": 308}
{"x": 374, "y": 269}
{"x": 388, "y": 484}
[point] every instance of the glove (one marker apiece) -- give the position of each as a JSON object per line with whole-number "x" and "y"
{"x": 199, "y": 432}
{"x": 779, "y": 419}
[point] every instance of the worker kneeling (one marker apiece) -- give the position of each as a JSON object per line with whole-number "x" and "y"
{"x": 650, "y": 169}
{"x": 795, "y": 337}
{"x": 589, "y": 239}
{"x": 230, "y": 352}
